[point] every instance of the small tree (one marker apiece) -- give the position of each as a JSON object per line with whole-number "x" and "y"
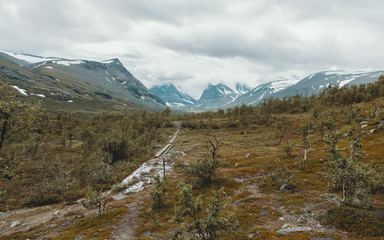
{"x": 158, "y": 192}
{"x": 204, "y": 169}
{"x": 94, "y": 199}
{"x": 346, "y": 173}
{"x": 288, "y": 149}
{"x": 166, "y": 112}
{"x": 280, "y": 129}
{"x": 328, "y": 123}
{"x": 203, "y": 221}
{"x": 306, "y": 135}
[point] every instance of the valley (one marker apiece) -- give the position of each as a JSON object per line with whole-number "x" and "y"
{"x": 194, "y": 120}
{"x": 269, "y": 172}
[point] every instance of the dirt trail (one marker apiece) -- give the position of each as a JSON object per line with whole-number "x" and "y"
{"x": 53, "y": 218}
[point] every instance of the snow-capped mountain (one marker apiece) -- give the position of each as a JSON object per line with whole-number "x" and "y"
{"x": 317, "y": 82}
{"x": 312, "y": 84}
{"x": 172, "y": 96}
{"x": 242, "y": 88}
{"x": 92, "y": 85}
{"x": 221, "y": 96}
{"x": 215, "y": 97}
{"x": 262, "y": 92}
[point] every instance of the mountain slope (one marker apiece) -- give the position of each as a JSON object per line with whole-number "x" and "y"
{"x": 317, "y": 82}
{"x": 214, "y": 97}
{"x": 262, "y": 92}
{"x": 86, "y": 85}
{"x": 312, "y": 84}
{"x": 172, "y": 96}
{"x": 242, "y": 88}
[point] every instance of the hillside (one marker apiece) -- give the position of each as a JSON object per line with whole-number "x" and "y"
{"x": 76, "y": 85}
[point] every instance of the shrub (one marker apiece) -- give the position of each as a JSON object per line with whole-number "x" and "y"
{"x": 202, "y": 169}
{"x": 94, "y": 199}
{"x": 279, "y": 179}
{"x": 288, "y": 149}
{"x": 203, "y": 220}
{"x": 158, "y": 192}
{"x": 8, "y": 167}
{"x": 366, "y": 222}
{"x": 347, "y": 173}
{"x": 205, "y": 168}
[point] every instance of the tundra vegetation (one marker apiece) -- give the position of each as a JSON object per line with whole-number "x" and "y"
{"x": 50, "y": 157}
{"x": 249, "y": 172}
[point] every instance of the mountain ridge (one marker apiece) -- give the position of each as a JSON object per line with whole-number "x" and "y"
{"x": 221, "y": 96}
{"x": 105, "y": 85}
{"x": 172, "y": 96}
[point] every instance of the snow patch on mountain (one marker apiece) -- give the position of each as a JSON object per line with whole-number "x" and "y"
{"x": 344, "y": 82}
{"x": 22, "y": 91}
{"x": 283, "y": 84}
{"x": 27, "y": 57}
{"x": 68, "y": 62}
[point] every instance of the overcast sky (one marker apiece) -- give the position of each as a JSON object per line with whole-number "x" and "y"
{"x": 193, "y": 42}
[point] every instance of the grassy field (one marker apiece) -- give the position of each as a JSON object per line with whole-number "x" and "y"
{"x": 268, "y": 190}
{"x": 265, "y": 190}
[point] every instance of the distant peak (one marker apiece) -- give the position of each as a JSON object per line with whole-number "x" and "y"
{"x": 242, "y": 88}
{"x": 160, "y": 85}
{"x": 113, "y": 60}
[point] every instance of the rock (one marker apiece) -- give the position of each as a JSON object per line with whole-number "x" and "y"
{"x": 248, "y": 155}
{"x": 251, "y": 235}
{"x": 371, "y": 131}
{"x": 286, "y": 226}
{"x": 302, "y": 219}
{"x": 294, "y": 229}
{"x": 281, "y": 219}
{"x": 15, "y": 224}
{"x": 240, "y": 179}
{"x": 185, "y": 164}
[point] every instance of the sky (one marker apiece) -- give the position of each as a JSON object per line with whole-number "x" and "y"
{"x": 195, "y": 42}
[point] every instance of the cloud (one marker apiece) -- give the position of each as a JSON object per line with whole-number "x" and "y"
{"x": 192, "y": 43}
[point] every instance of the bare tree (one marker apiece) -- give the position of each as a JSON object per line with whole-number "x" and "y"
{"x": 212, "y": 145}
{"x": 205, "y": 168}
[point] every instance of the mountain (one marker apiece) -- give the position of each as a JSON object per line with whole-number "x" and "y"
{"x": 312, "y": 84}
{"x": 262, "y": 92}
{"x": 317, "y": 82}
{"x": 242, "y": 88}
{"x": 215, "y": 97}
{"x": 77, "y": 85}
{"x": 172, "y": 96}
